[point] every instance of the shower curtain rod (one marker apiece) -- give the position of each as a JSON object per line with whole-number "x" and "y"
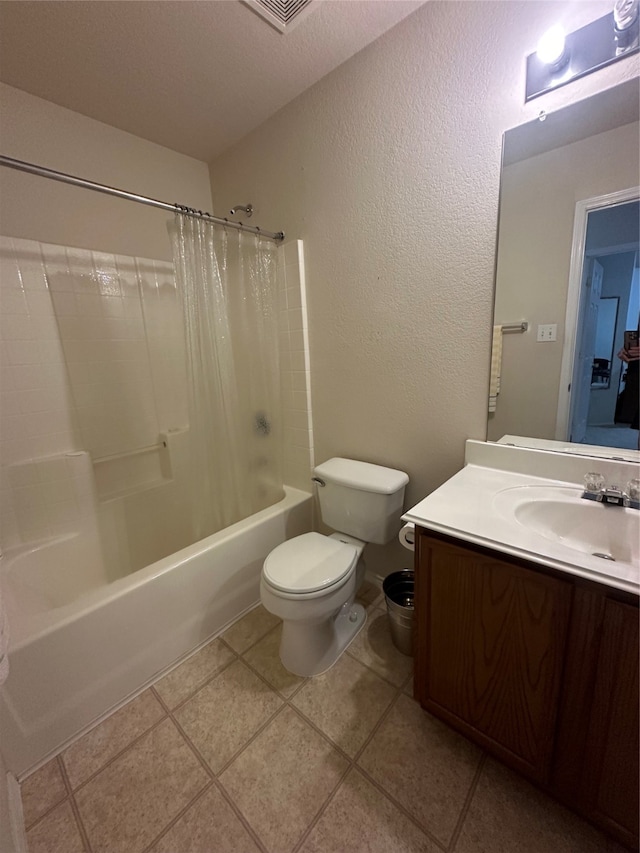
{"x": 42, "y": 171}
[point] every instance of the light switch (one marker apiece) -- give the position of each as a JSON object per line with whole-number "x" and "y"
{"x": 548, "y": 332}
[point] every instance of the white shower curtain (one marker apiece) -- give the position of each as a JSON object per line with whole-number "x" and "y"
{"x": 228, "y": 283}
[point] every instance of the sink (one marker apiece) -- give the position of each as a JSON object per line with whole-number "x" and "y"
{"x": 560, "y": 514}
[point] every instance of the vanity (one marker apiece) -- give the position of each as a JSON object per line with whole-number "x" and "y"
{"x": 526, "y": 641}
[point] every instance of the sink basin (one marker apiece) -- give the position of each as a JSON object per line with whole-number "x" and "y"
{"x": 560, "y": 514}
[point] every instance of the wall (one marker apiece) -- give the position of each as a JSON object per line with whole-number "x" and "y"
{"x": 538, "y": 201}
{"x": 389, "y": 170}
{"x": 36, "y": 209}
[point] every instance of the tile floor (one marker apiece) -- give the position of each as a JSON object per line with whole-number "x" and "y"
{"x": 231, "y": 753}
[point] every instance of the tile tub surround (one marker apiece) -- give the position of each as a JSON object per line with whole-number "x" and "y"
{"x": 344, "y": 761}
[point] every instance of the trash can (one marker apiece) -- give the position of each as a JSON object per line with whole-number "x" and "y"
{"x": 398, "y": 591}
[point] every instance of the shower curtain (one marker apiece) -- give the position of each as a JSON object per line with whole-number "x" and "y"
{"x": 228, "y": 284}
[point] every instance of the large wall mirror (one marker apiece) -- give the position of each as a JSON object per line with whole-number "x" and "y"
{"x": 568, "y": 268}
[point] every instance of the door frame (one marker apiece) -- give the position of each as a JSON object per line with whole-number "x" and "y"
{"x": 572, "y": 321}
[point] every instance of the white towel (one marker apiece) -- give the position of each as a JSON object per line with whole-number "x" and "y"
{"x": 4, "y": 643}
{"x": 496, "y": 367}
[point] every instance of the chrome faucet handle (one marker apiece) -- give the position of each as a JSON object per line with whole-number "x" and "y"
{"x": 593, "y": 483}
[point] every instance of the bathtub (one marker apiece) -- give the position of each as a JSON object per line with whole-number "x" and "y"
{"x": 76, "y": 653}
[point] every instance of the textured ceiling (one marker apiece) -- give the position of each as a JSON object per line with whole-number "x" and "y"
{"x": 193, "y": 76}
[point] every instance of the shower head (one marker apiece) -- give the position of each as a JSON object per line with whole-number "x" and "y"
{"x": 248, "y": 209}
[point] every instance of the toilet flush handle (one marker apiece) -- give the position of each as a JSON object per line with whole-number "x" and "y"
{"x": 318, "y": 481}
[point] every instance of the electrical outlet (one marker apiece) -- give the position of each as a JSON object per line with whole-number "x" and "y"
{"x": 548, "y": 332}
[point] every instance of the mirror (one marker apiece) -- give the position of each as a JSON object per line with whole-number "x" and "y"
{"x": 567, "y": 267}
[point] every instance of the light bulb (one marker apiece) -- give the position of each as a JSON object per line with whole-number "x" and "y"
{"x": 551, "y": 47}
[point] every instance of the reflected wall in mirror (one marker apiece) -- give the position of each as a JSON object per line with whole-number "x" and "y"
{"x": 568, "y": 238}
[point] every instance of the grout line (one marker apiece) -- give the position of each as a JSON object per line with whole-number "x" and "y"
{"x": 383, "y": 791}
{"x": 255, "y": 642}
{"x": 194, "y": 749}
{"x": 383, "y": 677}
{"x": 243, "y": 820}
{"x": 211, "y": 677}
{"x": 322, "y": 809}
{"x": 263, "y": 678}
{"x": 180, "y": 814}
{"x": 80, "y": 824}
{"x": 74, "y": 806}
{"x": 119, "y": 754}
{"x": 53, "y": 805}
{"x": 63, "y": 772}
{"x": 467, "y": 803}
{"x": 253, "y": 737}
{"x": 387, "y": 711}
{"x": 425, "y": 830}
{"x": 322, "y": 734}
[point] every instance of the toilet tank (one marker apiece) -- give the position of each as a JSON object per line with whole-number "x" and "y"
{"x": 361, "y": 499}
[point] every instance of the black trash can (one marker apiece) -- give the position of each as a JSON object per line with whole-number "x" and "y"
{"x": 398, "y": 591}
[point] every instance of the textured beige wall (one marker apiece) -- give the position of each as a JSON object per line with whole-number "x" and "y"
{"x": 389, "y": 170}
{"x": 40, "y": 132}
{"x": 538, "y": 204}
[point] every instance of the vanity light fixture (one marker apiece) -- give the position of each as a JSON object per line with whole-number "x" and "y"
{"x": 560, "y": 59}
{"x": 552, "y": 48}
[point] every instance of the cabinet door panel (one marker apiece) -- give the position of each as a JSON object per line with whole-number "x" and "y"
{"x": 495, "y": 644}
{"x": 613, "y": 734}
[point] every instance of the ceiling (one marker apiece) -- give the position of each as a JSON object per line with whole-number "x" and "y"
{"x": 192, "y": 75}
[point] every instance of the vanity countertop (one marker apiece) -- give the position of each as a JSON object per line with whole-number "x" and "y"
{"x": 498, "y": 502}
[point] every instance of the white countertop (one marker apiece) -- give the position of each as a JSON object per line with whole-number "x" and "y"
{"x": 467, "y": 507}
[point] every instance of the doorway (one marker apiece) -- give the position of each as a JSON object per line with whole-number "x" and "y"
{"x": 603, "y": 301}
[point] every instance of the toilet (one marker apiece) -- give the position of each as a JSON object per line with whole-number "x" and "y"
{"x": 311, "y": 581}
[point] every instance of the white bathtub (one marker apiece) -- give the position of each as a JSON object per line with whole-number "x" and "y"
{"x": 71, "y": 661}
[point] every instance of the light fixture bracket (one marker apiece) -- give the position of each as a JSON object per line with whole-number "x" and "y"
{"x": 592, "y": 47}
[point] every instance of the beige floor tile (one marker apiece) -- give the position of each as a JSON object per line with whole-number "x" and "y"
{"x": 373, "y": 646}
{"x": 424, "y": 765}
{"x": 209, "y": 825}
{"x": 360, "y": 818}
{"x": 89, "y": 754}
{"x": 282, "y": 779}
{"x": 42, "y": 790}
{"x": 265, "y": 658}
{"x": 226, "y": 713}
{"x": 507, "y": 815}
{"x": 369, "y": 594}
{"x": 408, "y": 687}
{"x": 346, "y": 702}
{"x": 246, "y": 631}
{"x": 133, "y": 799}
{"x": 185, "y": 679}
{"x": 56, "y": 833}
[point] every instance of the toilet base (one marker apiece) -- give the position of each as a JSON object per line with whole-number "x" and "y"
{"x": 311, "y": 649}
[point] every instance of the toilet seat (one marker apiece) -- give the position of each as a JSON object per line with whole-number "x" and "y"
{"x": 309, "y": 563}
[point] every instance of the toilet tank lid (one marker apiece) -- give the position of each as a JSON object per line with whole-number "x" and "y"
{"x": 361, "y": 475}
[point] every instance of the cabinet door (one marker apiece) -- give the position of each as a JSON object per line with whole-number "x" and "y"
{"x": 612, "y": 746}
{"x": 492, "y": 645}
{"x": 596, "y": 761}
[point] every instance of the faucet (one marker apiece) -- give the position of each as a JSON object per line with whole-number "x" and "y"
{"x": 596, "y": 490}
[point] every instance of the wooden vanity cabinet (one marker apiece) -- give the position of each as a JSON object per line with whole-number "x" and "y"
{"x": 536, "y": 666}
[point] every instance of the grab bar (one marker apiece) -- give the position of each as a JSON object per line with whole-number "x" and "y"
{"x": 128, "y": 453}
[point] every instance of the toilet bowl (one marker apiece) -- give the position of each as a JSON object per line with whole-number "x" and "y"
{"x": 310, "y": 582}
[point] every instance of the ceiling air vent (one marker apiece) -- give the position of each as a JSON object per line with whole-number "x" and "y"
{"x": 284, "y": 15}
